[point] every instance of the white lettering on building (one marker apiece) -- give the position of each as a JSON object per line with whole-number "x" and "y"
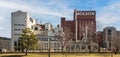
{"x": 85, "y": 13}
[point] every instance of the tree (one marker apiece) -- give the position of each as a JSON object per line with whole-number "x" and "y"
{"x": 89, "y": 36}
{"x": 115, "y": 42}
{"x": 64, "y": 37}
{"x": 28, "y": 40}
{"x": 60, "y": 35}
{"x": 67, "y": 35}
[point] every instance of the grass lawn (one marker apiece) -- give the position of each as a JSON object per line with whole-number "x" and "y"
{"x": 59, "y": 55}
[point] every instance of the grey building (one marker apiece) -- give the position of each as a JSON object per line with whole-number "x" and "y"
{"x": 5, "y": 43}
{"x": 110, "y": 39}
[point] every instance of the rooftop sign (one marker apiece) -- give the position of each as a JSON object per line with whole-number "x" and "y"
{"x": 85, "y": 13}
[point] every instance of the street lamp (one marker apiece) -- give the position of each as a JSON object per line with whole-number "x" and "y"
{"x": 49, "y": 35}
{"x": 48, "y": 46}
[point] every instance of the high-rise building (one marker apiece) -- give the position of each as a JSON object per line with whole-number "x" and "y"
{"x": 109, "y": 33}
{"x": 83, "y": 23}
{"x": 19, "y": 21}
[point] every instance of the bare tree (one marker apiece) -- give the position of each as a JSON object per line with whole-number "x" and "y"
{"x": 91, "y": 34}
{"x": 64, "y": 37}
{"x": 116, "y": 43}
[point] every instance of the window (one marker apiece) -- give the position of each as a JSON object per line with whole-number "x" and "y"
{"x": 32, "y": 27}
{"x": 15, "y": 29}
{"x": 109, "y": 31}
{"x": 83, "y": 47}
{"x": 18, "y": 43}
{"x": 19, "y": 34}
{"x": 15, "y": 34}
{"x": 31, "y": 19}
{"x": 104, "y": 45}
{"x": 36, "y": 28}
{"x": 22, "y": 24}
{"x": 18, "y": 24}
{"x": 15, "y": 43}
{"x": 15, "y": 24}
{"x": 43, "y": 39}
{"x": 46, "y": 29}
{"x": 67, "y": 48}
{"x": 77, "y": 46}
{"x": 109, "y": 44}
{"x": 18, "y": 29}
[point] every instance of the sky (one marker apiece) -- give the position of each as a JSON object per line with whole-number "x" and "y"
{"x": 107, "y": 11}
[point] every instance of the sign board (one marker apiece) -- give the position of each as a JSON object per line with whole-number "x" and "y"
{"x": 85, "y": 13}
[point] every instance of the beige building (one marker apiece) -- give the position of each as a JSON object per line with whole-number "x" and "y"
{"x": 5, "y": 43}
{"x": 46, "y": 33}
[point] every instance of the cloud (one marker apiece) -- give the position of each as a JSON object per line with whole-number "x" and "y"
{"x": 52, "y": 10}
{"x": 46, "y": 10}
{"x": 109, "y": 15}
{"x": 4, "y": 31}
{"x": 1, "y": 19}
{"x": 12, "y": 5}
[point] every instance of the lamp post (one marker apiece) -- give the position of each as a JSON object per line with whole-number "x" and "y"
{"x": 48, "y": 46}
{"x": 49, "y": 35}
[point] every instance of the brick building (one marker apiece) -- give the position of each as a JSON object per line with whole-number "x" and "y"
{"x": 83, "y": 23}
{"x": 80, "y": 32}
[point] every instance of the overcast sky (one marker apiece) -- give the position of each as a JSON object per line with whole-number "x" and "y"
{"x": 107, "y": 11}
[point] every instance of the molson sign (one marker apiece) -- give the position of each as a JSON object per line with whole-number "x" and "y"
{"x": 85, "y": 13}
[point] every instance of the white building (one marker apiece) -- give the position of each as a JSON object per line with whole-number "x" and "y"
{"x": 46, "y": 33}
{"x": 19, "y": 21}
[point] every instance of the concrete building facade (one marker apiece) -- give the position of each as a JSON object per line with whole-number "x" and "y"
{"x": 44, "y": 32}
{"x": 110, "y": 39}
{"x": 47, "y": 38}
{"x": 19, "y": 21}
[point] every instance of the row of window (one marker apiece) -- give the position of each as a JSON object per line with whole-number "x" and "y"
{"x": 55, "y": 47}
{"x": 36, "y": 28}
{"x": 48, "y": 49}
{"x": 51, "y": 44}
{"x": 46, "y": 39}
{"x": 18, "y": 24}
{"x": 31, "y": 19}
{"x": 17, "y": 34}
{"x": 15, "y": 29}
